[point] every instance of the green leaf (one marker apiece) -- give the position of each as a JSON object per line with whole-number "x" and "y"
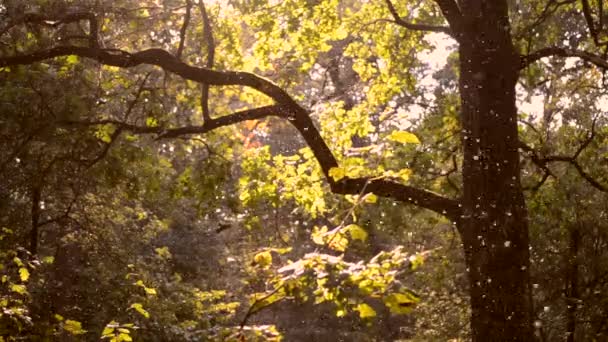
{"x": 140, "y": 308}
{"x": 365, "y": 311}
{"x": 73, "y": 327}
{"x": 403, "y": 137}
{"x": 356, "y": 232}
{"x": 24, "y": 274}
{"x": 337, "y": 173}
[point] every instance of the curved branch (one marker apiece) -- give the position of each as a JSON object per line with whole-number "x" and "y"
{"x": 415, "y": 27}
{"x": 563, "y": 52}
{"x": 285, "y": 107}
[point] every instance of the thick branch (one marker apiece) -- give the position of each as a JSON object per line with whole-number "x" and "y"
{"x": 563, "y": 52}
{"x": 452, "y": 14}
{"x": 286, "y": 107}
{"x": 415, "y": 27}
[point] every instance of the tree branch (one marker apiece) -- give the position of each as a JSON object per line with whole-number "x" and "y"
{"x": 184, "y": 29}
{"x": 286, "y": 107}
{"x": 208, "y": 32}
{"x": 593, "y": 30}
{"x": 572, "y": 160}
{"x": 452, "y": 14}
{"x": 415, "y": 27}
{"x": 55, "y": 21}
{"x": 563, "y": 52}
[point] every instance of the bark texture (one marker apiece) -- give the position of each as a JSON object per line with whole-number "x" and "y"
{"x": 493, "y": 225}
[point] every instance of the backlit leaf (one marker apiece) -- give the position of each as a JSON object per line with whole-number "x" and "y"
{"x": 403, "y": 137}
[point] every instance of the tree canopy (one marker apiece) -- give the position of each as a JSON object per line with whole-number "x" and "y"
{"x": 303, "y": 169}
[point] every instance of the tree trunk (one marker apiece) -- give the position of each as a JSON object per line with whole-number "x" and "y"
{"x": 494, "y": 224}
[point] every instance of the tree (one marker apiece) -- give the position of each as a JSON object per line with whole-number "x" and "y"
{"x": 495, "y": 40}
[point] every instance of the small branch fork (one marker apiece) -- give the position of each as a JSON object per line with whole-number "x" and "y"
{"x": 415, "y": 27}
{"x": 285, "y": 107}
{"x": 542, "y": 162}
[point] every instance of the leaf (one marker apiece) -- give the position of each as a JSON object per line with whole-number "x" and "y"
{"x": 107, "y": 332}
{"x": 20, "y": 289}
{"x": 18, "y": 261}
{"x": 140, "y": 308}
{"x": 416, "y": 261}
{"x": 264, "y": 259}
{"x": 403, "y": 137}
{"x": 73, "y": 327}
{"x": 72, "y": 59}
{"x": 151, "y": 122}
{"x": 356, "y": 232}
{"x": 370, "y": 198}
{"x": 318, "y": 235}
{"x": 24, "y": 274}
{"x": 48, "y": 259}
{"x": 337, "y": 173}
{"x": 401, "y": 303}
{"x": 337, "y": 242}
{"x": 365, "y": 311}
{"x": 150, "y": 291}
{"x": 163, "y": 252}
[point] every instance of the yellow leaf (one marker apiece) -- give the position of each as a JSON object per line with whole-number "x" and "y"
{"x": 318, "y": 235}
{"x": 264, "y": 259}
{"x": 151, "y": 122}
{"x": 401, "y": 303}
{"x": 356, "y": 232}
{"x": 337, "y": 173}
{"x": 48, "y": 259}
{"x": 403, "y": 137}
{"x": 365, "y": 311}
{"x": 24, "y": 274}
{"x": 150, "y": 290}
{"x": 337, "y": 242}
{"x": 20, "y": 289}
{"x": 107, "y": 332}
{"x": 73, "y": 327}
{"x": 371, "y": 198}
{"x": 72, "y": 59}
{"x": 140, "y": 308}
